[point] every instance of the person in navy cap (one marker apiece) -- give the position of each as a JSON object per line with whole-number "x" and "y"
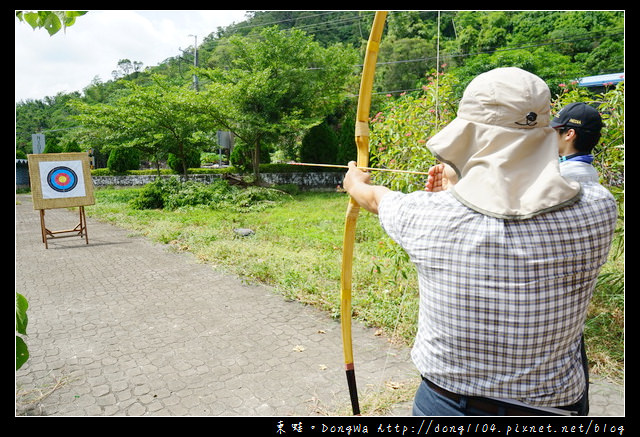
{"x": 578, "y": 126}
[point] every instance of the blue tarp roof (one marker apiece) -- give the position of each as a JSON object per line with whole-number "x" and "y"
{"x": 601, "y": 79}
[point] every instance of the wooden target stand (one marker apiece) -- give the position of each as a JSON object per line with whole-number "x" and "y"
{"x": 61, "y": 180}
{"x": 80, "y": 230}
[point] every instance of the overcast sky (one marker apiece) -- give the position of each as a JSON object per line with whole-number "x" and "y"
{"x": 69, "y": 61}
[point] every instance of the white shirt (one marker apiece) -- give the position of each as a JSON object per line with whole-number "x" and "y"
{"x": 579, "y": 171}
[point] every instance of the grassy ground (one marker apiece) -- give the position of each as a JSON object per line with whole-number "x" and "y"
{"x": 297, "y": 248}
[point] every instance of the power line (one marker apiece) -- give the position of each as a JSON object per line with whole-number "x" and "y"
{"x": 285, "y": 20}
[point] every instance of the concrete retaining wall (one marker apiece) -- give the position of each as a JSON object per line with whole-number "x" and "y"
{"x": 305, "y": 181}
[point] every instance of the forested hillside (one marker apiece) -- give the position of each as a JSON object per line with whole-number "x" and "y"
{"x": 558, "y": 46}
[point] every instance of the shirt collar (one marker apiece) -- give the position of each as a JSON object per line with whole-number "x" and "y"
{"x": 581, "y": 157}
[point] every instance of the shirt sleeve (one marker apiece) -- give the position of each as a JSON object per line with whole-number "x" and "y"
{"x": 409, "y": 219}
{"x": 389, "y": 213}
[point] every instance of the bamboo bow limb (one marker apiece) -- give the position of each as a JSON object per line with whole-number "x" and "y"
{"x": 362, "y": 144}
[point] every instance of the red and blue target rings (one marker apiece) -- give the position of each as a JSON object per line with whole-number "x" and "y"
{"x": 62, "y": 179}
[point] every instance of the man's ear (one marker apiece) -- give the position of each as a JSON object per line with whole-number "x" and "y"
{"x": 570, "y": 134}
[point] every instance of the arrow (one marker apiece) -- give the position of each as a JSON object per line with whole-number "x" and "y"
{"x": 361, "y": 168}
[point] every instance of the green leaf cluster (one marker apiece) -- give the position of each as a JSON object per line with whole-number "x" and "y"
{"x": 51, "y": 21}
{"x": 402, "y": 127}
{"x": 22, "y": 352}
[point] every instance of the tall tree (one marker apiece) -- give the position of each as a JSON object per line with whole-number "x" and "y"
{"x": 276, "y": 83}
{"x": 157, "y": 119}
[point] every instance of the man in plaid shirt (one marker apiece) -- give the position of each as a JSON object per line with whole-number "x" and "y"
{"x": 507, "y": 258}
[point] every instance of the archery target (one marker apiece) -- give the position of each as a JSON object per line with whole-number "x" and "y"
{"x": 61, "y": 179}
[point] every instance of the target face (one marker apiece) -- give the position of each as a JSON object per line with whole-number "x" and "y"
{"x": 62, "y": 179}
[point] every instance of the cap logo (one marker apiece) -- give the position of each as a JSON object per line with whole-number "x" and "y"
{"x": 531, "y": 120}
{"x": 573, "y": 120}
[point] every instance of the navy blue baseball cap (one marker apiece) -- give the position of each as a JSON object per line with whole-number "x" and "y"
{"x": 578, "y": 115}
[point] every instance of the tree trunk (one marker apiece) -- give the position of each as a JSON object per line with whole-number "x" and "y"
{"x": 184, "y": 169}
{"x": 183, "y": 158}
{"x": 256, "y": 160}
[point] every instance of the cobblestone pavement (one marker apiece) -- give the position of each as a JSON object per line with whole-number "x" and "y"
{"x": 122, "y": 326}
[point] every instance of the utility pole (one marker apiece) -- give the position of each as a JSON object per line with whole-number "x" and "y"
{"x": 195, "y": 61}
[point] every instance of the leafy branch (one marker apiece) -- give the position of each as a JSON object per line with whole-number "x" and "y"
{"x": 52, "y": 21}
{"x": 22, "y": 353}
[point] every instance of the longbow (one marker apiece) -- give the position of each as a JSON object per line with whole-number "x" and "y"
{"x": 353, "y": 209}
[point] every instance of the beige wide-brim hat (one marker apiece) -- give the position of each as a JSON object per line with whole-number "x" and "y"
{"x": 502, "y": 148}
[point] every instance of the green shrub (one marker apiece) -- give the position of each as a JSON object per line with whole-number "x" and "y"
{"x": 292, "y": 189}
{"x": 175, "y": 163}
{"x": 70, "y": 145}
{"x": 172, "y": 194}
{"x": 151, "y": 196}
{"x": 123, "y": 159}
{"x": 189, "y": 193}
{"x": 252, "y": 197}
{"x": 211, "y": 158}
{"x": 347, "y": 149}
{"x": 242, "y": 156}
{"x": 319, "y": 145}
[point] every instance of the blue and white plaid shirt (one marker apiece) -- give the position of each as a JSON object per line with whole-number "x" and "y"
{"x": 502, "y": 302}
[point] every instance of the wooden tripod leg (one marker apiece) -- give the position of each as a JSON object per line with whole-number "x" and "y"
{"x": 43, "y": 229}
{"x": 83, "y": 224}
